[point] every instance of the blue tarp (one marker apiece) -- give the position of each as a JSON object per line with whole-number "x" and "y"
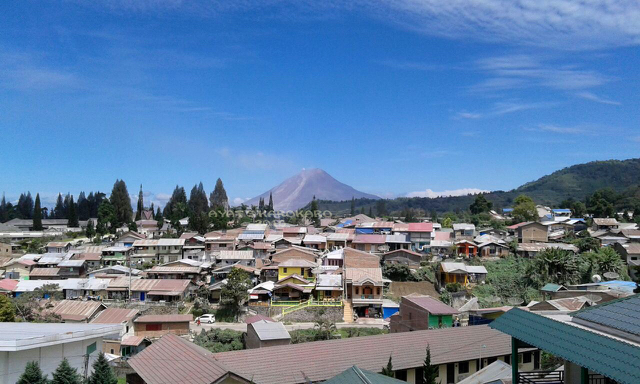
{"x": 364, "y": 231}
{"x": 388, "y": 311}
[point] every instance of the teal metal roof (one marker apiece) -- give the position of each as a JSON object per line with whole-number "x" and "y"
{"x": 355, "y": 375}
{"x": 622, "y": 314}
{"x": 610, "y": 357}
{"x": 550, "y": 287}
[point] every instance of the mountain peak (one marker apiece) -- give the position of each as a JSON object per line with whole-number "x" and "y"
{"x": 298, "y": 190}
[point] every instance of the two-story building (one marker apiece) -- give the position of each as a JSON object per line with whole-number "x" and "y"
{"x": 363, "y": 289}
{"x": 420, "y": 312}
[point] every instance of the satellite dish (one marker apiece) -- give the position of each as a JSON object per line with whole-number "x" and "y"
{"x": 591, "y": 298}
{"x": 596, "y": 278}
{"x": 611, "y": 275}
{"x": 493, "y": 299}
{"x": 515, "y": 301}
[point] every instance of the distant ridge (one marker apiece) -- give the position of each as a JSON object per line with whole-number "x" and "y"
{"x": 577, "y": 182}
{"x": 297, "y": 191}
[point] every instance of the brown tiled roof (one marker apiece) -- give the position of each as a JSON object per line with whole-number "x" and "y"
{"x": 163, "y": 319}
{"x": 288, "y": 364}
{"x": 431, "y": 305}
{"x": 115, "y": 316}
{"x": 175, "y": 360}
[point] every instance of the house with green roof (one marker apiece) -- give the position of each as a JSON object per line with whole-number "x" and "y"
{"x": 599, "y": 344}
{"x": 355, "y": 375}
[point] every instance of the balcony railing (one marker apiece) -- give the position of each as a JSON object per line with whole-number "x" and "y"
{"x": 556, "y": 377}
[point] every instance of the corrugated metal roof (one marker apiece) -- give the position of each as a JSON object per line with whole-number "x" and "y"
{"x": 355, "y": 375}
{"x": 164, "y": 319}
{"x": 267, "y": 330}
{"x": 76, "y": 310}
{"x": 235, "y": 255}
{"x": 420, "y": 227}
{"x": 314, "y": 239}
{"x": 609, "y": 356}
{"x": 132, "y": 341}
{"x": 369, "y": 239}
{"x": 115, "y": 316}
{"x": 289, "y": 364}
{"x": 37, "y": 272}
{"x": 623, "y": 314}
{"x": 175, "y": 360}
{"x": 431, "y": 305}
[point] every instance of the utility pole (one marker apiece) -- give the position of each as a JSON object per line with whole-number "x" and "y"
{"x": 129, "y": 258}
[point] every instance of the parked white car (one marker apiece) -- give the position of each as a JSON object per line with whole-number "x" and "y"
{"x": 207, "y": 319}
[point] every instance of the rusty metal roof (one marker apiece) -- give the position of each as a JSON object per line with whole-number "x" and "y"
{"x": 133, "y": 341}
{"x": 115, "y": 316}
{"x": 431, "y": 305}
{"x": 76, "y": 310}
{"x": 37, "y": 272}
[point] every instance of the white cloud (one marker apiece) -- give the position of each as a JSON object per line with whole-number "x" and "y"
{"x": 239, "y": 200}
{"x": 567, "y": 130}
{"x": 454, "y": 192}
{"x": 598, "y": 99}
{"x": 562, "y": 24}
{"x": 502, "y": 108}
{"x": 522, "y": 71}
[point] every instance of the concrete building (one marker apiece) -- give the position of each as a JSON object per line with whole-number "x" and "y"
{"x": 47, "y": 344}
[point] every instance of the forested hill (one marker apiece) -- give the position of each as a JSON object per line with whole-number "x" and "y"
{"x": 577, "y": 182}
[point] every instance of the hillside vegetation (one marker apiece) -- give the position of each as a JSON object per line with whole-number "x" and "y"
{"x": 576, "y": 182}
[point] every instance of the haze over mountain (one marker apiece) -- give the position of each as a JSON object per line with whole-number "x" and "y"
{"x": 297, "y": 191}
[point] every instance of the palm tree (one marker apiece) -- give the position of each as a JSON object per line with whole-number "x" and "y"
{"x": 324, "y": 329}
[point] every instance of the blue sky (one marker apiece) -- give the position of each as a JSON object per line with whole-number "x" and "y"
{"x": 391, "y": 97}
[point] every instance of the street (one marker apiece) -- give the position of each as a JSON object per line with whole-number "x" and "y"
{"x": 361, "y": 323}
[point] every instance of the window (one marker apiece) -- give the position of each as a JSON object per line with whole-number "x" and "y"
{"x": 401, "y": 375}
{"x": 284, "y": 270}
{"x": 112, "y": 351}
{"x": 378, "y": 291}
{"x": 357, "y": 290}
{"x": 153, "y": 327}
{"x": 463, "y": 367}
{"x": 526, "y": 357}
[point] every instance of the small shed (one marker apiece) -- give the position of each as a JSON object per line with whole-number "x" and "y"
{"x": 264, "y": 333}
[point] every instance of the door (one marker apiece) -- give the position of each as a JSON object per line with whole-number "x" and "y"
{"x": 450, "y": 373}
{"x": 142, "y": 295}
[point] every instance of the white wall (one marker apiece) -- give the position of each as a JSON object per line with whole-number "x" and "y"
{"x": 12, "y": 364}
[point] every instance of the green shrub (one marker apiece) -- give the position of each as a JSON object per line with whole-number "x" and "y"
{"x": 220, "y": 340}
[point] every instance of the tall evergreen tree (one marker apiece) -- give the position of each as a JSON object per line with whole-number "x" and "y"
{"x": 37, "y": 214}
{"x": 316, "y": 213}
{"x": 32, "y": 375}
{"x": 429, "y": 371}
{"x": 371, "y": 212}
{"x": 176, "y": 207}
{"x": 388, "y": 370}
{"x": 270, "y": 206}
{"x": 198, "y": 202}
{"x": 106, "y": 218}
{"x": 72, "y": 216}
{"x": 66, "y": 205}
{"x": 25, "y": 206}
{"x": 140, "y": 206}
{"x": 218, "y": 198}
{"x": 90, "y": 231}
{"x": 121, "y": 203}
{"x": 102, "y": 372}
{"x": 158, "y": 216}
{"x": 58, "y": 210}
{"x": 65, "y": 374}
{"x": 83, "y": 207}
{"x": 4, "y": 214}
{"x": 353, "y": 206}
{"x": 261, "y": 204}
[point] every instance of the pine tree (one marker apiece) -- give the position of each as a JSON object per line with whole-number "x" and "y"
{"x": 371, "y": 212}
{"x": 58, "y": 211}
{"x": 362, "y": 210}
{"x": 158, "y": 216}
{"x": 315, "y": 212}
{"x": 102, "y": 372}
{"x": 121, "y": 203}
{"x": 65, "y": 206}
{"x": 261, "y": 204}
{"x": 218, "y": 198}
{"x": 106, "y": 218}
{"x": 82, "y": 207}
{"x": 32, "y": 375}
{"x": 198, "y": 203}
{"x": 65, "y": 374}
{"x": 37, "y": 214}
{"x": 429, "y": 371}
{"x": 7, "y": 310}
{"x": 72, "y": 216}
{"x": 353, "y": 206}
{"x": 4, "y": 214}
{"x": 176, "y": 207}
{"x": 270, "y": 206}
{"x": 388, "y": 370}
{"x": 140, "y": 205}
{"x": 90, "y": 231}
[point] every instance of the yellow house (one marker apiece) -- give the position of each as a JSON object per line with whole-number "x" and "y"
{"x": 298, "y": 267}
